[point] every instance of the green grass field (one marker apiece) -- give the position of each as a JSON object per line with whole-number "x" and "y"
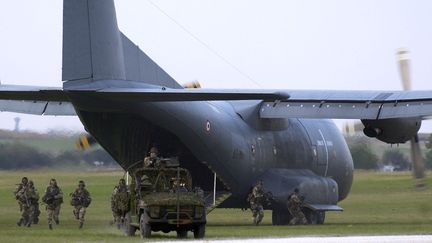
{"x": 379, "y": 204}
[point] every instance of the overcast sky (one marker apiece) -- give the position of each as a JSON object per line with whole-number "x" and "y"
{"x": 344, "y": 45}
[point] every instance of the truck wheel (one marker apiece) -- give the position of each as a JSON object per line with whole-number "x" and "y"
{"x": 129, "y": 230}
{"x": 145, "y": 228}
{"x": 182, "y": 234}
{"x": 199, "y": 231}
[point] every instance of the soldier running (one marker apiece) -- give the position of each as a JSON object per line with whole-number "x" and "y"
{"x": 53, "y": 198}
{"x": 256, "y": 199}
{"x": 294, "y": 203}
{"x": 80, "y": 199}
{"x": 18, "y": 190}
{"x": 27, "y": 197}
{"x": 120, "y": 202}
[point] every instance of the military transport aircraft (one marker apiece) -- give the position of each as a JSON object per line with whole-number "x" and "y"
{"x": 282, "y": 137}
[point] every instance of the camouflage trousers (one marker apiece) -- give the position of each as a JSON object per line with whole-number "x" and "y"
{"x": 27, "y": 214}
{"x": 257, "y": 213}
{"x": 53, "y": 214}
{"x": 79, "y": 213}
{"x": 298, "y": 216}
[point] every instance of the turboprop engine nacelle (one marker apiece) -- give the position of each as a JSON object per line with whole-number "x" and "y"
{"x": 397, "y": 130}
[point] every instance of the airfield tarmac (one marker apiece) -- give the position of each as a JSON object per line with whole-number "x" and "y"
{"x": 348, "y": 239}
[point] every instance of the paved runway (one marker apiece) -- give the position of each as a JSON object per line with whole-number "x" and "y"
{"x": 324, "y": 239}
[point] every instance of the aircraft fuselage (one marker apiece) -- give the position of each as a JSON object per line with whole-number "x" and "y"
{"x": 229, "y": 138}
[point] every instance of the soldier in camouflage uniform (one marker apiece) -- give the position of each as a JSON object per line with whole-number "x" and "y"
{"x": 120, "y": 202}
{"x": 35, "y": 204}
{"x": 256, "y": 199}
{"x": 152, "y": 159}
{"x": 294, "y": 203}
{"x": 80, "y": 199}
{"x": 18, "y": 190}
{"x": 53, "y": 198}
{"x": 27, "y": 196}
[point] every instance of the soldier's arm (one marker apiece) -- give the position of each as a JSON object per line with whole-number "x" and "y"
{"x": 59, "y": 195}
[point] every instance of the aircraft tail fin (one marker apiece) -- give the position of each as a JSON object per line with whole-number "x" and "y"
{"x": 95, "y": 49}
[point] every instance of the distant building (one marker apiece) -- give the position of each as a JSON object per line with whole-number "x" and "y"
{"x": 17, "y": 122}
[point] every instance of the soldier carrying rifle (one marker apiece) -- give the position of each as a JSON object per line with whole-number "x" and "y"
{"x": 80, "y": 199}
{"x": 53, "y": 198}
{"x": 29, "y": 206}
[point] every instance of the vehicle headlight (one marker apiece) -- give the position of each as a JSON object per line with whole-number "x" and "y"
{"x": 154, "y": 211}
{"x": 199, "y": 211}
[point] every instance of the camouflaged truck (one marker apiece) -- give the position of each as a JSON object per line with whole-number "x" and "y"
{"x": 163, "y": 200}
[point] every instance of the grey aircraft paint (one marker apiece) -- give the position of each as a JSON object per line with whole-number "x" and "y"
{"x": 128, "y": 104}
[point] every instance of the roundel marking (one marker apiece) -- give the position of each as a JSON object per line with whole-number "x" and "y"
{"x": 208, "y": 126}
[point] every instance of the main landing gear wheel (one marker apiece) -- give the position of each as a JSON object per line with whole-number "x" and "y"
{"x": 314, "y": 217}
{"x": 280, "y": 216}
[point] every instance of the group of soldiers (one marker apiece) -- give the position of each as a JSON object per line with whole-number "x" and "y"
{"x": 257, "y": 199}
{"x": 28, "y": 201}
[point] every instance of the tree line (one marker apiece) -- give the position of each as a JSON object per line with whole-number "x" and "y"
{"x": 365, "y": 158}
{"x": 20, "y": 156}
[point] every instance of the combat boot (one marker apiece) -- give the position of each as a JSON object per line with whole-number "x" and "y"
{"x": 81, "y": 225}
{"x": 50, "y": 226}
{"x": 19, "y": 223}
{"x": 57, "y": 221}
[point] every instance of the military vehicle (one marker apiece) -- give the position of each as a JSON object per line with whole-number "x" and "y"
{"x": 162, "y": 199}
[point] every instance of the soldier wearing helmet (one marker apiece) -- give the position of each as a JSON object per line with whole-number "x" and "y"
{"x": 53, "y": 198}
{"x": 294, "y": 205}
{"x": 80, "y": 199}
{"x": 152, "y": 159}
{"x": 19, "y": 191}
{"x": 28, "y": 198}
{"x": 120, "y": 204}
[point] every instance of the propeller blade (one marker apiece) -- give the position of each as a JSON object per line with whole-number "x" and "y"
{"x": 85, "y": 142}
{"x": 404, "y": 69}
{"x": 417, "y": 161}
{"x": 416, "y": 156}
{"x": 192, "y": 85}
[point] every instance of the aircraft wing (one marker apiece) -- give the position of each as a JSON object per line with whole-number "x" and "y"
{"x": 55, "y": 101}
{"x": 350, "y": 105}
{"x": 166, "y": 94}
{"x": 35, "y": 100}
{"x": 276, "y": 103}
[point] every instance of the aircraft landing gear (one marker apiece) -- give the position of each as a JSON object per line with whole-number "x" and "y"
{"x": 314, "y": 217}
{"x": 280, "y": 216}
